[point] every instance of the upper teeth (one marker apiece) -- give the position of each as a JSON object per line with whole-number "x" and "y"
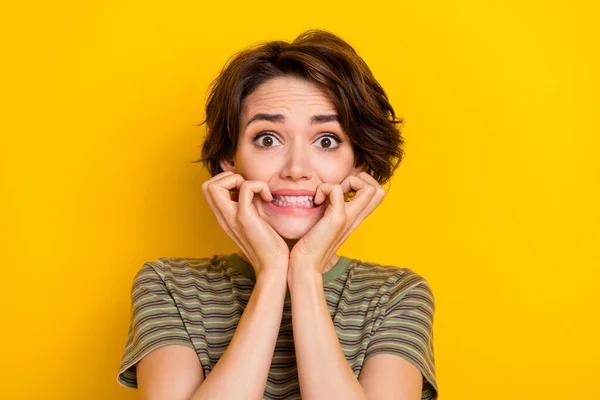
{"x": 294, "y": 199}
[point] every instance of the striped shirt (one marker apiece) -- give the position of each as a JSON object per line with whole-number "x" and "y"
{"x": 198, "y": 302}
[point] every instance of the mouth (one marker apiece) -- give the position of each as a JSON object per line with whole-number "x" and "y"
{"x": 295, "y": 206}
{"x": 293, "y": 201}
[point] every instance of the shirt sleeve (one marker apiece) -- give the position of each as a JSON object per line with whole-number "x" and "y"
{"x": 155, "y": 321}
{"x": 406, "y": 328}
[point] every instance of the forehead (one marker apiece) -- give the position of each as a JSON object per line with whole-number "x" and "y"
{"x": 286, "y": 95}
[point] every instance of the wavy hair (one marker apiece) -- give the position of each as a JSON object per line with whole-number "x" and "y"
{"x": 326, "y": 60}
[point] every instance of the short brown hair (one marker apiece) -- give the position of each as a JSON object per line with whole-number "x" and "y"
{"x": 332, "y": 65}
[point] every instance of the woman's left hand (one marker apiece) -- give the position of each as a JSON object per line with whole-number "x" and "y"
{"x": 314, "y": 250}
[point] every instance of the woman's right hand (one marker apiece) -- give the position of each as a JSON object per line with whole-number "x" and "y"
{"x": 264, "y": 248}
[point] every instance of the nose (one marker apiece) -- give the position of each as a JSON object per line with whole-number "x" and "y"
{"x": 297, "y": 163}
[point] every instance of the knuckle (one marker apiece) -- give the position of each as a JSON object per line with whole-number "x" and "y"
{"x": 246, "y": 185}
{"x": 207, "y": 184}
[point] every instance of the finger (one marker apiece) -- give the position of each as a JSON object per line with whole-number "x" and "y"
{"x": 208, "y": 194}
{"x": 349, "y": 193}
{"x": 368, "y": 178}
{"x": 233, "y": 196}
{"x": 367, "y": 197}
{"x": 257, "y": 187}
{"x": 336, "y": 210}
{"x": 328, "y": 231}
{"x": 323, "y": 190}
{"x": 351, "y": 185}
{"x": 221, "y": 220}
{"x": 247, "y": 191}
{"x": 335, "y": 194}
{"x": 217, "y": 177}
{"x": 219, "y": 190}
{"x": 207, "y": 182}
{"x": 214, "y": 203}
{"x": 319, "y": 196}
{"x": 360, "y": 186}
{"x": 380, "y": 191}
{"x": 346, "y": 184}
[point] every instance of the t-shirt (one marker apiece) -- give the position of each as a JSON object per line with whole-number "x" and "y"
{"x": 198, "y": 302}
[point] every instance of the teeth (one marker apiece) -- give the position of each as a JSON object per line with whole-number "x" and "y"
{"x": 284, "y": 201}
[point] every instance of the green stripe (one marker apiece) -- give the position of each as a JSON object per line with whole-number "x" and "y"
{"x": 376, "y": 309}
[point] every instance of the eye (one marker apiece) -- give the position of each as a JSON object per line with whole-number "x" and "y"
{"x": 265, "y": 140}
{"x": 329, "y": 142}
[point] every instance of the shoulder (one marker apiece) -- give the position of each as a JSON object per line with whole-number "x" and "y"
{"x": 182, "y": 273}
{"x": 181, "y": 267}
{"x": 390, "y": 275}
{"x": 393, "y": 280}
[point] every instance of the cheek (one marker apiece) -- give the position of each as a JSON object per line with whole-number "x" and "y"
{"x": 259, "y": 169}
{"x": 334, "y": 171}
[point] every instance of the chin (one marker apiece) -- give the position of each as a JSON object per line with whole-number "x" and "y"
{"x": 292, "y": 231}
{"x": 290, "y": 227}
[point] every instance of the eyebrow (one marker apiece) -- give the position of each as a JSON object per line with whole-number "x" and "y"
{"x": 316, "y": 119}
{"x": 321, "y": 119}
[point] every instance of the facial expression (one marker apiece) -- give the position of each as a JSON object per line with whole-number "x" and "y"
{"x": 290, "y": 138}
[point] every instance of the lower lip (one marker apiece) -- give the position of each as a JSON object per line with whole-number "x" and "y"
{"x": 300, "y": 211}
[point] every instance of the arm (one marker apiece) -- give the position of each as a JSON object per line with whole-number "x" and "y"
{"x": 399, "y": 361}
{"x": 387, "y": 376}
{"x": 159, "y": 348}
{"x": 323, "y": 371}
{"x": 322, "y": 368}
{"x": 174, "y": 372}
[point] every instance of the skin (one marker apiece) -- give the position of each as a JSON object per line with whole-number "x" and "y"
{"x": 292, "y": 154}
{"x": 295, "y": 250}
{"x": 296, "y": 158}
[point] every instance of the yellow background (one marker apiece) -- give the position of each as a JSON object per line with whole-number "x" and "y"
{"x": 496, "y": 203}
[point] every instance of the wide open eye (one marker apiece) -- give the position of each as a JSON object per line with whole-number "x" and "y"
{"x": 265, "y": 140}
{"x": 328, "y": 142}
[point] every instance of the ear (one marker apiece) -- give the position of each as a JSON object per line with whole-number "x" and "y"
{"x": 228, "y": 165}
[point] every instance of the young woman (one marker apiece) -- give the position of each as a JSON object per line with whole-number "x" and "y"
{"x": 300, "y": 137}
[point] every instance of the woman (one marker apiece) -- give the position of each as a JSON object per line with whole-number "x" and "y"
{"x": 300, "y": 137}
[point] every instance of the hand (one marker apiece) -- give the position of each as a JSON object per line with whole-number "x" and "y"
{"x": 340, "y": 219}
{"x": 263, "y": 247}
